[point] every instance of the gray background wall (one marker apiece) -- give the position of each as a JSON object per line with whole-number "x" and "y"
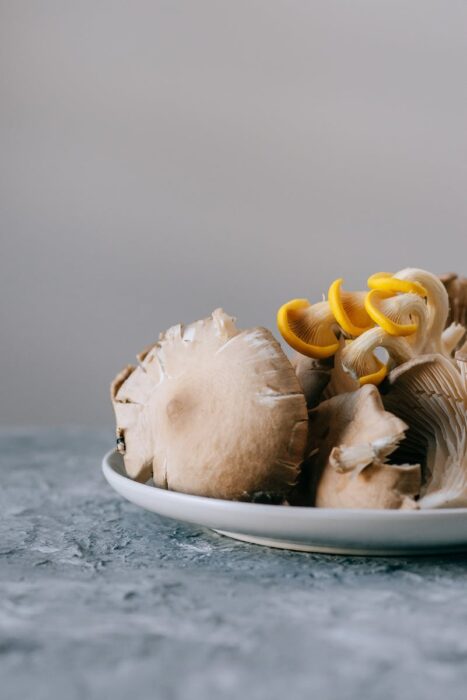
{"x": 159, "y": 159}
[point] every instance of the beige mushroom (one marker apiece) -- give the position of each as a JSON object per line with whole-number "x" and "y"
{"x": 456, "y": 328}
{"x": 452, "y": 337}
{"x": 322, "y": 379}
{"x": 456, "y": 288}
{"x": 314, "y": 375}
{"x": 461, "y": 359}
{"x": 429, "y": 394}
{"x": 213, "y": 411}
{"x": 350, "y": 439}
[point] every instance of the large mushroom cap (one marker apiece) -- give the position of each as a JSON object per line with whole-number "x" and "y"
{"x": 213, "y": 411}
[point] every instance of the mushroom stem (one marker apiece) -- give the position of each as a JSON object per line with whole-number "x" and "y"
{"x": 358, "y": 356}
{"x": 456, "y": 288}
{"x": 452, "y": 337}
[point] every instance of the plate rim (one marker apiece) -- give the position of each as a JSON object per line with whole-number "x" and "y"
{"x": 298, "y": 512}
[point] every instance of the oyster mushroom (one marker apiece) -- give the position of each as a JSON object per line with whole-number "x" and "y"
{"x": 393, "y": 284}
{"x": 429, "y": 393}
{"x": 349, "y": 309}
{"x": 456, "y": 288}
{"x": 461, "y": 359}
{"x": 341, "y": 381}
{"x": 456, "y": 327}
{"x": 431, "y": 334}
{"x": 351, "y": 437}
{"x": 314, "y": 375}
{"x": 214, "y": 411}
{"x": 399, "y": 315}
{"x": 323, "y": 378}
{"x": 437, "y": 306}
{"x": 310, "y": 329}
{"x": 452, "y": 337}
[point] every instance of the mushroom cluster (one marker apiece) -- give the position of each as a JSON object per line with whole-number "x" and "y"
{"x": 383, "y": 432}
{"x": 371, "y": 412}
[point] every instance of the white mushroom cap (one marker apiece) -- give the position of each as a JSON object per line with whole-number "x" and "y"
{"x": 213, "y": 411}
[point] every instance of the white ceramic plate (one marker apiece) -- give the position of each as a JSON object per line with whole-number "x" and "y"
{"x": 336, "y": 531}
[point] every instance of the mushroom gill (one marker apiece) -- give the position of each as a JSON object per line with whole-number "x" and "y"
{"x": 213, "y": 411}
{"x": 309, "y": 328}
{"x": 429, "y": 394}
{"x": 399, "y": 315}
{"x": 349, "y": 309}
{"x": 437, "y": 306}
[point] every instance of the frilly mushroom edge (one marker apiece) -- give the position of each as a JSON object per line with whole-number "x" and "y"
{"x": 213, "y": 411}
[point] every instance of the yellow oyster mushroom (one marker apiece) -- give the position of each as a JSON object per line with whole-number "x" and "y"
{"x": 387, "y": 282}
{"x": 401, "y": 314}
{"x": 310, "y": 329}
{"x": 437, "y": 301}
{"x": 359, "y": 360}
{"x": 377, "y": 376}
{"x": 349, "y": 309}
{"x": 362, "y": 364}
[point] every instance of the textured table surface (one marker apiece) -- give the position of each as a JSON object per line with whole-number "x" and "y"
{"x": 100, "y": 599}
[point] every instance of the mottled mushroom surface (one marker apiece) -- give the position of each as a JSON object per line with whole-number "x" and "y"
{"x": 213, "y": 411}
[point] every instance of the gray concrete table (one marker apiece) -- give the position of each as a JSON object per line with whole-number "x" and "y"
{"x": 100, "y": 599}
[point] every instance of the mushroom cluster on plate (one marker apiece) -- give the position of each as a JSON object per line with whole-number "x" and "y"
{"x": 371, "y": 412}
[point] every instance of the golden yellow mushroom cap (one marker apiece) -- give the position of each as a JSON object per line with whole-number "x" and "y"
{"x": 362, "y": 362}
{"x": 375, "y": 377}
{"x": 349, "y": 309}
{"x": 388, "y": 312}
{"x": 308, "y": 328}
{"x": 386, "y": 282}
